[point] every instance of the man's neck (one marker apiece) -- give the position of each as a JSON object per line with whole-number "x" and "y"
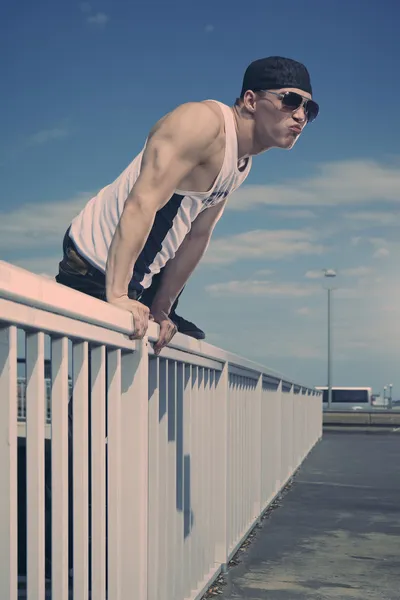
{"x": 244, "y": 126}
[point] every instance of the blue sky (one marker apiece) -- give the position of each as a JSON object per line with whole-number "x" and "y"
{"x": 83, "y": 83}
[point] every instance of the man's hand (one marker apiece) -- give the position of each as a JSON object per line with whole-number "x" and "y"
{"x": 140, "y": 313}
{"x": 167, "y": 330}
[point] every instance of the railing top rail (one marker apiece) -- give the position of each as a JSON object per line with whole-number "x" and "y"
{"x": 26, "y": 288}
{"x": 30, "y": 289}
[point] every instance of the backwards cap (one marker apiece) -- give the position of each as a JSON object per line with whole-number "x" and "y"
{"x": 276, "y": 72}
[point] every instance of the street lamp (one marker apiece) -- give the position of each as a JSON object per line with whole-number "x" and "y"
{"x": 390, "y": 396}
{"x": 329, "y": 274}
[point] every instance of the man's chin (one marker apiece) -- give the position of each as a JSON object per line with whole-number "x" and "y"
{"x": 287, "y": 143}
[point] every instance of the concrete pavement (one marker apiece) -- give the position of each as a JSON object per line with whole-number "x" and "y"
{"x": 336, "y": 534}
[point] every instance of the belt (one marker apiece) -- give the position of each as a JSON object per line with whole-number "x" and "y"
{"x": 74, "y": 260}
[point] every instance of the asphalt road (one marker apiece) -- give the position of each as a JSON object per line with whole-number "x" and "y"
{"x": 336, "y": 534}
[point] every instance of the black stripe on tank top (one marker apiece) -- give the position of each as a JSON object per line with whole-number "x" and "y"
{"x": 162, "y": 224}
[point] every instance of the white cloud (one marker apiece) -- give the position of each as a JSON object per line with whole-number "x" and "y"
{"x": 377, "y": 241}
{"x": 263, "y": 272}
{"x": 301, "y": 213}
{"x": 361, "y": 271}
{"x": 99, "y": 19}
{"x": 304, "y": 311}
{"x": 365, "y": 322}
{"x": 262, "y": 244}
{"x": 335, "y": 183}
{"x": 47, "y": 135}
{"x": 347, "y": 272}
{"x": 381, "y": 253}
{"x": 314, "y": 274}
{"x": 387, "y": 218}
{"x": 34, "y": 226}
{"x": 46, "y": 266}
{"x": 255, "y": 287}
{"x": 381, "y": 246}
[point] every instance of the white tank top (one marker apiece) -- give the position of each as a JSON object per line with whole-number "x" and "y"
{"x": 93, "y": 228}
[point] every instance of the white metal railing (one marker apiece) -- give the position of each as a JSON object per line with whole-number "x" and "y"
{"x": 161, "y": 469}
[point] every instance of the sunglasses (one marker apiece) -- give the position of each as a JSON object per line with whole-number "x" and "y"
{"x": 292, "y": 101}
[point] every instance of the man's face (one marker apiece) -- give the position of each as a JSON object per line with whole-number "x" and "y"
{"x": 275, "y": 124}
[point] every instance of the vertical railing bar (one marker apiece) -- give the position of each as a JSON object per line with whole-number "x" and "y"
{"x": 235, "y": 453}
{"x": 172, "y": 512}
{"x": 98, "y": 471}
{"x": 210, "y": 506}
{"x": 8, "y": 463}
{"x": 258, "y": 472}
{"x": 80, "y": 461}
{"x": 232, "y": 458}
{"x": 205, "y": 471}
{"x": 134, "y": 472}
{"x": 162, "y": 459}
{"x": 245, "y": 453}
{"x": 195, "y": 577}
{"x": 203, "y": 408}
{"x": 241, "y": 439}
{"x": 35, "y": 483}
{"x": 247, "y": 463}
{"x": 179, "y": 489}
{"x": 59, "y": 467}
{"x": 200, "y": 455}
{"x": 187, "y": 480}
{"x": 114, "y": 482}
{"x": 154, "y": 481}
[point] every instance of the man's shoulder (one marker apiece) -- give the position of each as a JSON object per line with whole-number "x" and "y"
{"x": 204, "y": 113}
{"x": 197, "y": 123}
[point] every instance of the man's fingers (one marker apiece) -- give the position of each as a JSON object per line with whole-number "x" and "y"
{"x": 140, "y": 323}
{"x": 167, "y": 332}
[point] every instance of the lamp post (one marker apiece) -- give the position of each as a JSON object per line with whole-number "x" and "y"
{"x": 384, "y": 396}
{"x": 329, "y": 274}
{"x": 390, "y": 396}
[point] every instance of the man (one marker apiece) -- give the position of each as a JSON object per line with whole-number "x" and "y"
{"x": 137, "y": 242}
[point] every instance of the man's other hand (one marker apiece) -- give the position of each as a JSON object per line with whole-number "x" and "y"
{"x": 140, "y": 314}
{"x": 167, "y": 330}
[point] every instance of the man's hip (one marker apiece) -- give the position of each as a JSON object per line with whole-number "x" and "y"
{"x": 76, "y": 272}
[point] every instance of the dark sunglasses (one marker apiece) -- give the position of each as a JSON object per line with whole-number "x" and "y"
{"x": 293, "y": 101}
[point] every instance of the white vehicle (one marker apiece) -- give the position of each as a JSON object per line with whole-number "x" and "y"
{"x": 347, "y": 398}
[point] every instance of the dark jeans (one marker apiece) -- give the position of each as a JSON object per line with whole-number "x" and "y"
{"x": 91, "y": 281}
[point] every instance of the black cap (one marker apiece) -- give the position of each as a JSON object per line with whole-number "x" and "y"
{"x": 276, "y": 72}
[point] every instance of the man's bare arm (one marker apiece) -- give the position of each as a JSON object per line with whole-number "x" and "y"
{"x": 178, "y": 270}
{"x": 181, "y": 141}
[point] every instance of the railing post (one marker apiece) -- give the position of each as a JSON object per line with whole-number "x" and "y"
{"x": 278, "y": 454}
{"x": 134, "y": 472}
{"x": 258, "y": 483}
{"x": 8, "y": 463}
{"x": 114, "y": 473}
{"x": 35, "y": 473}
{"x": 59, "y": 467}
{"x": 80, "y": 462}
{"x": 221, "y": 490}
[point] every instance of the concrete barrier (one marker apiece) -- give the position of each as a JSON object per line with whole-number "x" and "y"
{"x": 362, "y": 418}
{"x": 346, "y": 418}
{"x": 391, "y": 418}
